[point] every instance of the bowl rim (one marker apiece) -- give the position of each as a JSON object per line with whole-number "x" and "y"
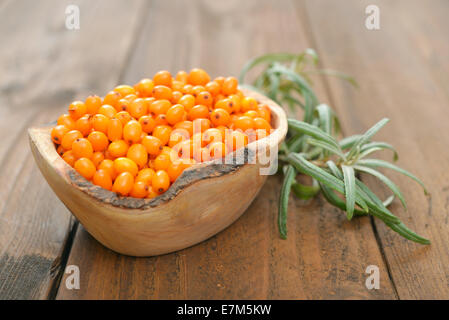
{"x": 40, "y": 137}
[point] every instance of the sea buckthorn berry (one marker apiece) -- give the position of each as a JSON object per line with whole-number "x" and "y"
{"x": 77, "y": 109}
{"x": 201, "y": 155}
{"x": 122, "y": 105}
{"x": 187, "y": 89}
{"x": 161, "y": 181}
{"x": 217, "y": 150}
{"x": 138, "y": 154}
{"x": 161, "y": 162}
{"x": 139, "y": 190}
{"x": 159, "y": 107}
{"x": 115, "y": 130}
{"x": 182, "y": 76}
{"x": 151, "y": 193}
{"x": 220, "y": 117}
{"x": 153, "y": 145}
{"x": 103, "y": 179}
{"x": 161, "y": 120}
{"x": 186, "y": 125}
{"x": 144, "y": 87}
{"x": 201, "y": 125}
{"x": 97, "y": 158}
{"x": 69, "y": 137}
{"x": 107, "y": 110}
{"x": 213, "y": 87}
{"x": 111, "y": 98}
{"x": 237, "y": 140}
{"x": 264, "y": 112}
{"x": 147, "y": 123}
{"x": 123, "y": 184}
{"x": 85, "y": 167}
{"x": 261, "y": 123}
{"x": 244, "y": 123}
{"x": 58, "y": 132}
{"x": 163, "y": 78}
{"x": 138, "y": 108}
{"x": 162, "y": 92}
{"x": 205, "y": 98}
{"x": 67, "y": 121}
{"x": 177, "y": 85}
{"x": 220, "y": 80}
{"x": 69, "y": 158}
{"x": 229, "y": 86}
{"x": 198, "y": 77}
{"x": 123, "y": 164}
{"x": 188, "y": 101}
{"x": 124, "y": 90}
{"x": 93, "y": 103}
{"x": 123, "y": 116}
{"x": 176, "y": 114}
{"x": 145, "y": 176}
{"x": 196, "y": 90}
{"x": 212, "y": 135}
{"x": 82, "y": 148}
{"x": 177, "y": 136}
{"x": 236, "y": 105}
{"x": 118, "y": 148}
{"x": 162, "y": 133}
{"x": 98, "y": 140}
{"x": 100, "y": 123}
{"x": 84, "y": 124}
{"x": 198, "y": 111}
{"x": 132, "y": 131}
{"x": 174, "y": 171}
{"x": 60, "y": 150}
{"x": 251, "y": 113}
{"x": 225, "y": 104}
{"x": 176, "y": 95}
{"x": 108, "y": 166}
{"x": 183, "y": 150}
{"x": 248, "y": 103}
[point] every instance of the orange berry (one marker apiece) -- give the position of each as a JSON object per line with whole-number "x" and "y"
{"x": 161, "y": 120}
{"x": 93, "y": 103}
{"x": 147, "y": 123}
{"x": 161, "y": 162}
{"x": 161, "y": 181}
{"x": 138, "y": 108}
{"x": 145, "y": 176}
{"x": 229, "y": 86}
{"x": 60, "y": 150}
{"x": 248, "y": 103}
{"x": 77, "y": 109}
{"x": 198, "y": 111}
{"x": 144, "y": 87}
{"x": 196, "y": 90}
{"x": 108, "y": 166}
{"x": 118, "y": 148}
{"x": 220, "y": 80}
{"x": 138, "y": 154}
{"x": 177, "y": 136}
{"x": 174, "y": 171}
{"x": 162, "y": 133}
{"x": 201, "y": 125}
{"x": 244, "y": 123}
{"x": 123, "y": 116}
{"x": 115, "y": 129}
{"x": 213, "y": 87}
{"x": 176, "y": 95}
{"x": 98, "y": 140}
{"x": 69, "y": 137}
{"x": 188, "y": 101}
{"x": 152, "y": 144}
{"x": 177, "y": 85}
{"x": 212, "y": 135}
{"x": 198, "y": 77}
{"x": 237, "y": 140}
{"x": 100, "y": 122}
{"x": 122, "y": 105}
{"x": 112, "y": 98}
{"x": 162, "y": 92}
{"x": 82, "y": 148}
{"x": 124, "y": 90}
{"x": 163, "y": 78}
{"x": 67, "y": 121}
{"x": 132, "y": 131}
{"x": 151, "y": 193}
{"x": 204, "y": 98}
{"x": 187, "y": 89}
{"x": 103, "y": 179}
{"x": 107, "y": 110}
{"x": 261, "y": 123}
{"x": 159, "y": 107}
{"x": 123, "y": 164}
{"x": 264, "y": 112}
{"x": 69, "y": 158}
{"x": 182, "y": 77}
{"x": 217, "y": 150}
{"x": 84, "y": 124}
{"x": 139, "y": 190}
{"x": 123, "y": 184}
{"x": 176, "y": 114}
{"x": 186, "y": 125}
{"x": 85, "y": 167}
{"x": 225, "y": 104}
{"x": 97, "y": 158}
{"x": 220, "y": 117}
{"x": 236, "y": 103}
{"x": 58, "y": 132}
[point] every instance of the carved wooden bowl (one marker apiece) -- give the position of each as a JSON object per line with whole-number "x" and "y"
{"x": 204, "y": 200}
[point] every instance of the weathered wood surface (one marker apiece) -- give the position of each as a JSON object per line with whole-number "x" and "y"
{"x": 402, "y": 71}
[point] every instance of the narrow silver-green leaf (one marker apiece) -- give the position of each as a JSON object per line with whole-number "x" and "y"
{"x": 333, "y": 199}
{"x": 349, "y": 180}
{"x": 371, "y": 147}
{"x": 367, "y": 136}
{"x": 305, "y": 192}
{"x": 267, "y": 58}
{"x": 312, "y": 131}
{"x": 326, "y": 146}
{"x": 283, "y": 201}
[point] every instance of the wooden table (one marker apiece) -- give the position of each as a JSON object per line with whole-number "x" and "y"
{"x": 403, "y": 73}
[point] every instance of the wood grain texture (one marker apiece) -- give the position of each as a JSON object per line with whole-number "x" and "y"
{"x": 325, "y": 256}
{"x": 44, "y": 66}
{"x": 401, "y": 71}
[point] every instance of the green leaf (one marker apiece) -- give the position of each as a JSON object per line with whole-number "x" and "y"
{"x": 326, "y": 146}
{"x": 334, "y": 169}
{"x": 385, "y": 180}
{"x": 283, "y": 201}
{"x": 312, "y": 131}
{"x": 377, "y": 146}
{"x": 267, "y": 58}
{"x": 325, "y": 115}
{"x": 388, "y": 201}
{"x": 348, "y": 142}
{"x": 373, "y": 163}
{"x": 367, "y": 136}
{"x": 407, "y": 233}
{"x": 305, "y": 192}
{"x": 335, "y": 200}
{"x": 349, "y": 180}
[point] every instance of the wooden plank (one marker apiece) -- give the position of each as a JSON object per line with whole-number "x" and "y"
{"x": 324, "y": 257}
{"x": 399, "y": 68}
{"x": 45, "y": 67}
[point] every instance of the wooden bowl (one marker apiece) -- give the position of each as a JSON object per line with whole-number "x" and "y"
{"x": 204, "y": 200}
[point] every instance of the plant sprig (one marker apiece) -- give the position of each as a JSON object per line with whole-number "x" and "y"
{"x": 312, "y": 146}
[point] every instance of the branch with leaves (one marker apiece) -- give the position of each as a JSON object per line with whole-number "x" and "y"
{"x": 313, "y": 147}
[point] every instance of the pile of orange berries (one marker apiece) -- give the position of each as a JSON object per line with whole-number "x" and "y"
{"x": 137, "y": 140}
